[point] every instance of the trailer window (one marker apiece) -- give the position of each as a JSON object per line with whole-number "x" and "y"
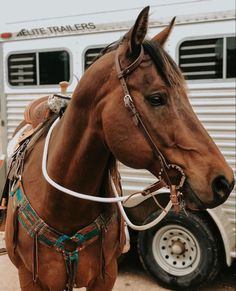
{"x": 22, "y": 69}
{"x": 208, "y": 58}
{"x": 39, "y": 68}
{"x": 90, "y": 56}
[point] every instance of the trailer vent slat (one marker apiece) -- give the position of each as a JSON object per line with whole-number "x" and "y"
{"x": 198, "y": 56}
{"x": 198, "y": 47}
{"x": 21, "y": 59}
{"x": 21, "y": 67}
{"x": 21, "y": 74}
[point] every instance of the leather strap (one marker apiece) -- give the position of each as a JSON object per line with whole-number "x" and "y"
{"x": 123, "y": 73}
{"x": 130, "y": 105}
{"x": 154, "y": 187}
{"x": 35, "y": 257}
{"x": 174, "y": 198}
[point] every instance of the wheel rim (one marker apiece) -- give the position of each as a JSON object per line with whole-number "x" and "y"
{"x": 176, "y": 250}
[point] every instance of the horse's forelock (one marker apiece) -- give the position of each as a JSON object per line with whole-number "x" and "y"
{"x": 165, "y": 65}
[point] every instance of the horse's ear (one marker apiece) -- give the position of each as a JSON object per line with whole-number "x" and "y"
{"x": 138, "y": 32}
{"x": 162, "y": 36}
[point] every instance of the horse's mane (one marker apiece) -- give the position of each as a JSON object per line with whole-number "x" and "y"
{"x": 167, "y": 68}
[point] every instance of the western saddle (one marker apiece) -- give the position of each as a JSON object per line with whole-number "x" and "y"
{"x": 39, "y": 110}
{"x": 35, "y": 115}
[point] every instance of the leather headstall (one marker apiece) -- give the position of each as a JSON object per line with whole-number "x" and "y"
{"x": 175, "y": 194}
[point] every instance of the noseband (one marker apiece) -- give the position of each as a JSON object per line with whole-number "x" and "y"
{"x": 164, "y": 178}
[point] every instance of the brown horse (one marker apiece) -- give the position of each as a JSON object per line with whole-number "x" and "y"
{"x": 97, "y": 129}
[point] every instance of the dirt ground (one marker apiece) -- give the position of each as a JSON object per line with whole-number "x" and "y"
{"x": 131, "y": 277}
{"x": 130, "y": 280}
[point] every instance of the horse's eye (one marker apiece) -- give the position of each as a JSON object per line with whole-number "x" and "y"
{"x": 156, "y": 99}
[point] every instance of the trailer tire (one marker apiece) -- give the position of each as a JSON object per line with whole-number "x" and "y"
{"x": 180, "y": 252}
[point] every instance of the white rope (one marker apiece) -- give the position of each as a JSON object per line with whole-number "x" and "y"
{"x": 97, "y": 198}
{"x": 140, "y": 227}
{"x": 66, "y": 190}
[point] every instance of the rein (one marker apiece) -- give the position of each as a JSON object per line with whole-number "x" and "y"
{"x": 152, "y": 190}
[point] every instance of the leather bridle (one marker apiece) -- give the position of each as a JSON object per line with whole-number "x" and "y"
{"x": 163, "y": 176}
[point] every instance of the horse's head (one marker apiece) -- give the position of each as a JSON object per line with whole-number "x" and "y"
{"x": 160, "y": 97}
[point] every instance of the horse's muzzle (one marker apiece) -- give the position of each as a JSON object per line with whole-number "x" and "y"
{"x": 221, "y": 188}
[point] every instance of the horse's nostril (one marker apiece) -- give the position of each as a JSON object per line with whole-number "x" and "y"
{"x": 221, "y": 188}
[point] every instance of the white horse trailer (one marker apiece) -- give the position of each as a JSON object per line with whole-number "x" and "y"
{"x": 181, "y": 248}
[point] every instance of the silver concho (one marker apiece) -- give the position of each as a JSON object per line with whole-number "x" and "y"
{"x": 178, "y": 168}
{"x": 56, "y": 103}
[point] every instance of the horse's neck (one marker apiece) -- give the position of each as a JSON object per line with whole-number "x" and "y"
{"x": 78, "y": 149}
{"x": 78, "y": 160}
{"x": 77, "y": 155}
